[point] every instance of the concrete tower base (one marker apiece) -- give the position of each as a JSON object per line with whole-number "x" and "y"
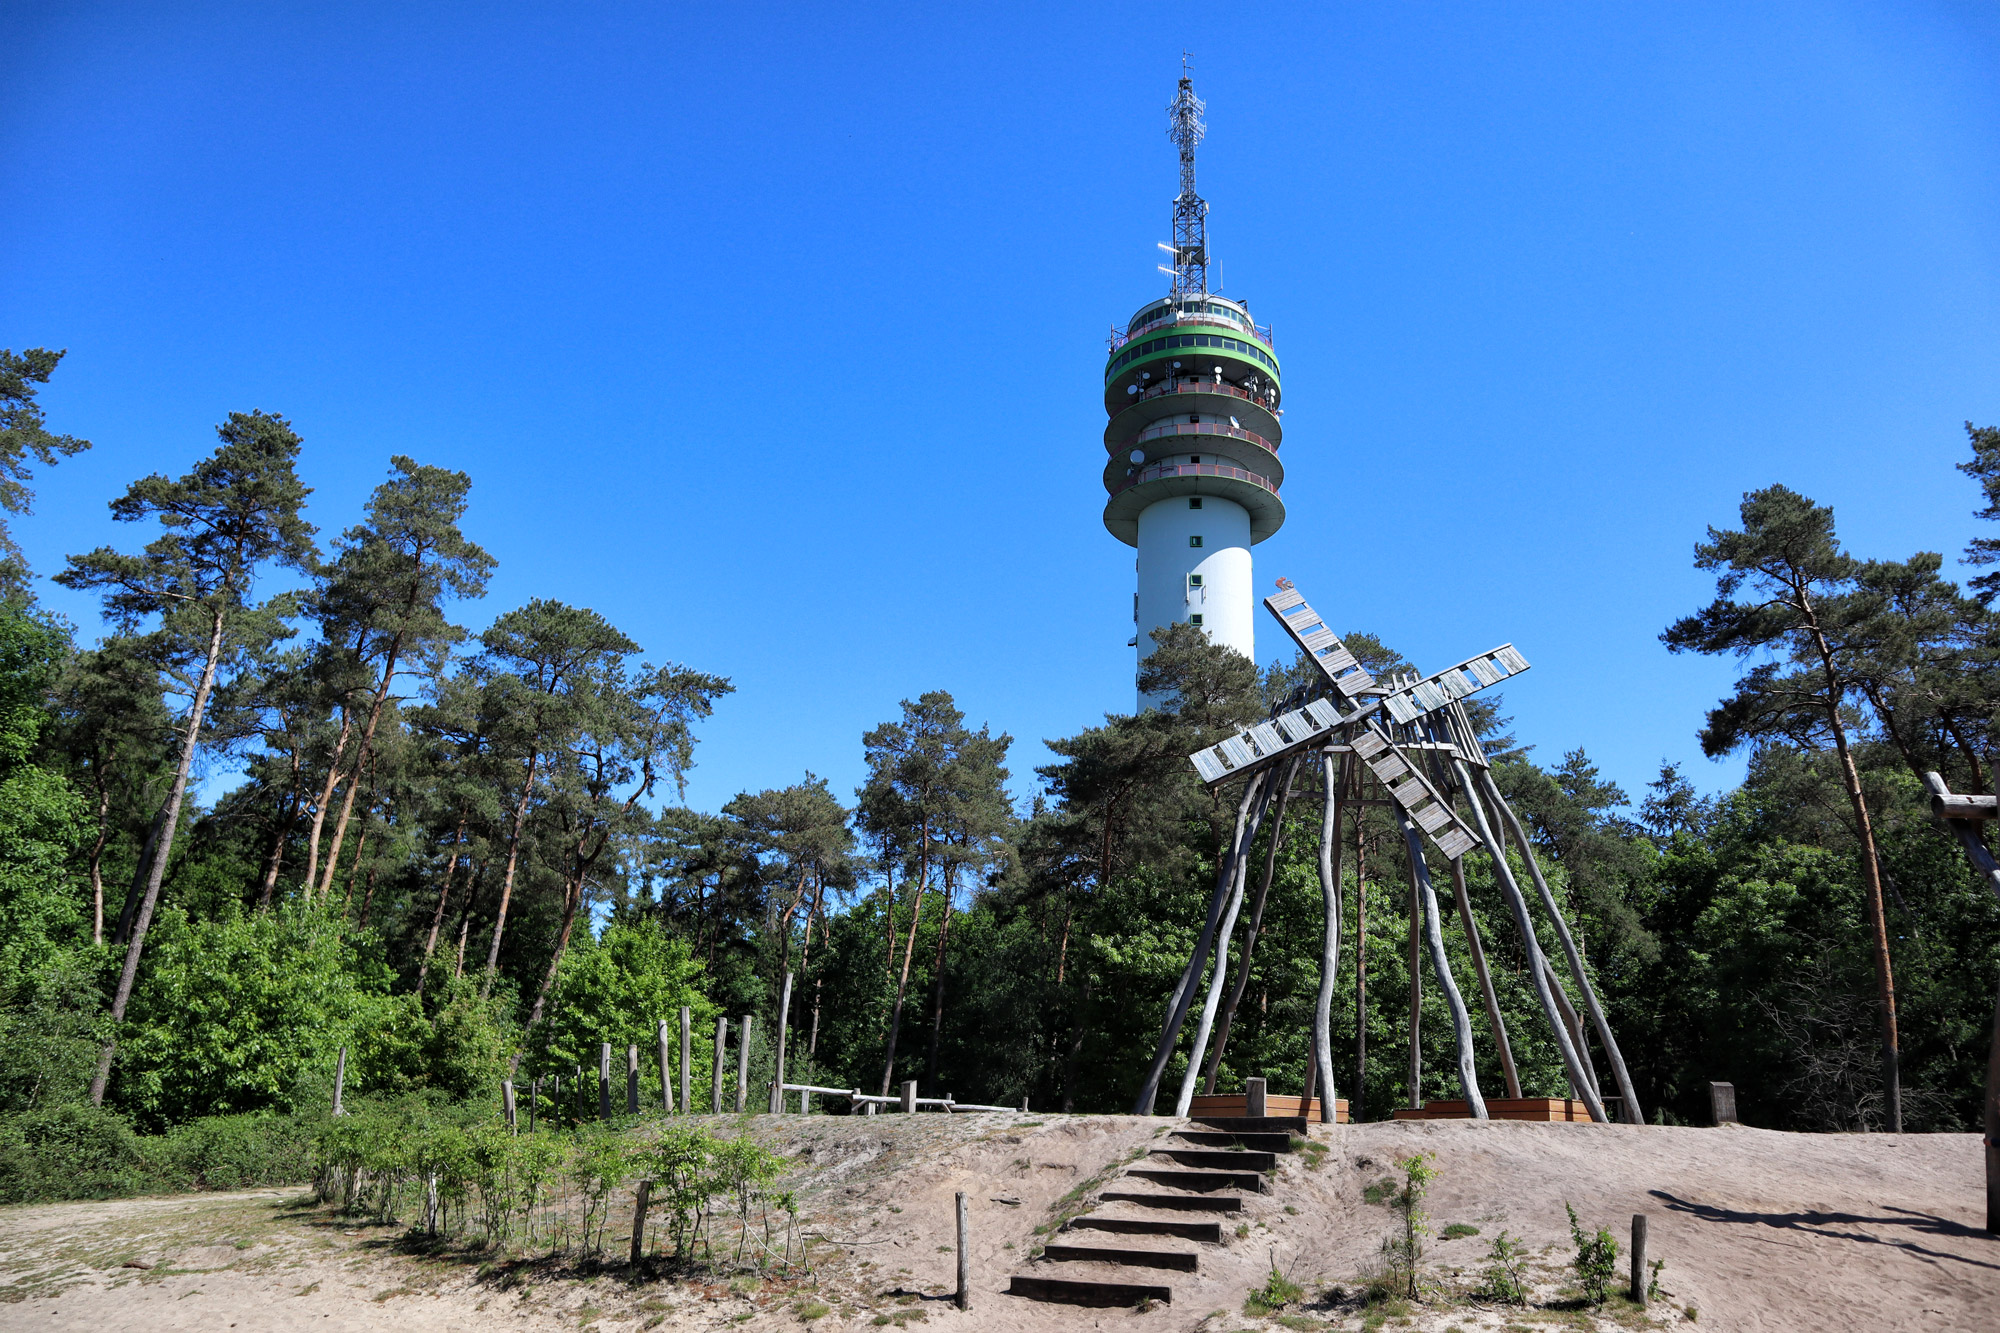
{"x": 1208, "y": 584}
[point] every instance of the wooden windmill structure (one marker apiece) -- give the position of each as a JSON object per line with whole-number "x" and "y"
{"x": 1413, "y": 740}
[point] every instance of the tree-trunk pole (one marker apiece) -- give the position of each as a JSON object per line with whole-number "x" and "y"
{"x": 507, "y": 880}
{"x": 1256, "y": 924}
{"x": 156, "y": 871}
{"x": 666, "y": 1073}
{"x": 1517, "y": 904}
{"x": 1494, "y": 1018}
{"x": 687, "y": 1059}
{"x": 325, "y": 795}
{"x": 444, "y": 894}
{"x": 715, "y": 1075}
{"x": 1461, "y": 1020}
{"x": 1215, "y": 977}
{"x": 1356, "y": 1096}
{"x": 784, "y": 1030}
{"x": 1416, "y": 966}
{"x": 743, "y": 1064}
{"x": 1988, "y": 867}
{"x": 1183, "y": 995}
{"x": 1330, "y": 849}
{"x": 1623, "y": 1077}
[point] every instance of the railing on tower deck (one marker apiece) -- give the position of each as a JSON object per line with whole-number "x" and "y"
{"x": 1197, "y": 384}
{"x": 1259, "y": 331}
{"x": 1164, "y": 471}
{"x": 1165, "y": 429}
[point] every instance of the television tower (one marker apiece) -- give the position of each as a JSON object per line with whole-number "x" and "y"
{"x": 1191, "y": 387}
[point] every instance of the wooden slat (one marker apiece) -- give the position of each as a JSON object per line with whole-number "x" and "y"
{"x": 1236, "y": 752}
{"x": 1209, "y": 764}
{"x": 1284, "y": 599}
{"x": 1267, "y": 738}
{"x": 1506, "y": 655}
{"x": 1322, "y": 712}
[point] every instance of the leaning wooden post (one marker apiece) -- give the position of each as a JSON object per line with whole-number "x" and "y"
{"x": 743, "y": 1065}
{"x": 604, "y": 1080}
{"x": 1416, "y": 996}
{"x": 1433, "y": 926}
{"x": 666, "y": 1073}
{"x": 687, "y": 1058}
{"x": 715, "y": 1070}
{"x": 1494, "y": 1019}
{"x": 1183, "y": 995}
{"x": 964, "y": 1259}
{"x": 507, "y": 1104}
{"x": 640, "y": 1200}
{"x": 1214, "y": 996}
{"x": 1942, "y": 803}
{"x": 632, "y": 1079}
{"x": 778, "y": 1074}
{"x": 1639, "y": 1258}
{"x": 534, "y": 1095}
{"x": 910, "y": 1097}
{"x": 339, "y": 1081}
{"x": 1321, "y": 1066}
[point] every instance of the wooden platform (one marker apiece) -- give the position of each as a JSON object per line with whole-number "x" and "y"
{"x": 1275, "y": 1108}
{"x": 1552, "y": 1110}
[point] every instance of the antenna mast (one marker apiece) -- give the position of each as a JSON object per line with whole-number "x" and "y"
{"x": 1186, "y": 127}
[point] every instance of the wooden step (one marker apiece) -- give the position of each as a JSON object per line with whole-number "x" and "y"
{"x": 1181, "y": 1261}
{"x": 1148, "y": 1226}
{"x": 1215, "y": 1138}
{"x": 1083, "y": 1291}
{"x": 1220, "y": 1159}
{"x": 1259, "y": 1124}
{"x": 1200, "y": 1181}
{"x": 1184, "y": 1203}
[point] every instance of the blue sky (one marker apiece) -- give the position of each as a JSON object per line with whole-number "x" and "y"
{"x": 775, "y": 334}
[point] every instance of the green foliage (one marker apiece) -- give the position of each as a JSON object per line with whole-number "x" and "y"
{"x": 1506, "y": 1275}
{"x": 1403, "y": 1255}
{"x": 24, "y": 434}
{"x": 1596, "y": 1261}
{"x": 616, "y": 987}
{"x": 69, "y": 1151}
{"x": 1275, "y": 1294}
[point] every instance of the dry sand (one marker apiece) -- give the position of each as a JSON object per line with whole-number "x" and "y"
{"x": 1759, "y": 1230}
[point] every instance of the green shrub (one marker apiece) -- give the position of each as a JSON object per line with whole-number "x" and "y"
{"x": 72, "y": 1151}
{"x": 1596, "y": 1258}
{"x": 233, "y": 1152}
{"x": 1507, "y": 1275}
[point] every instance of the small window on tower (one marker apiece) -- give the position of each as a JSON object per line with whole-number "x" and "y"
{"x": 1194, "y": 418}
{"x": 1194, "y": 580}
{"x": 1195, "y": 542}
{"x": 1194, "y": 502}
{"x": 1194, "y": 458}
{"x": 1195, "y": 619}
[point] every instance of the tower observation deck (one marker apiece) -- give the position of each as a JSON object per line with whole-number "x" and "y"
{"x": 1191, "y": 386}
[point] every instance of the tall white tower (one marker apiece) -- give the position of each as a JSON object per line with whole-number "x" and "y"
{"x": 1191, "y": 387}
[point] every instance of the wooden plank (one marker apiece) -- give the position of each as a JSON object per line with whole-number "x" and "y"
{"x": 1284, "y": 599}
{"x": 1209, "y": 764}
{"x": 1267, "y": 738}
{"x": 1236, "y": 752}
{"x": 1507, "y": 657}
{"x": 1076, "y": 1291}
{"x": 1149, "y": 1226}
{"x": 1180, "y": 1203}
{"x": 1179, "y": 1261}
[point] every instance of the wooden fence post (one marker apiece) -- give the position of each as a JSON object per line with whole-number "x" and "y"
{"x": 715, "y": 1074}
{"x": 1639, "y": 1257}
{"x": 743, "y": 1064}
{"x": 687, "y": 1057}
{"x": 778, "y": 1076}
{"x": 339, "y": 1080}
{"x": 910, "y": 1097}
{"x": 631, "y": 1079}
{"x": 639, "y": 1219}
{"x": 507, "y": 1104}
{"x": 964, "y": 1259}
{"x": 1253, "y": 1097}
{"x": 604, "y": 1080}
{"x": 666, "y": 1073}
{"x": 1722, "y": 1103}
{"x": 534, "y": 1095}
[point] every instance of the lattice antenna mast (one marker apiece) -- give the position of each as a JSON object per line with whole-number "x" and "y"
{"x": 1186, "y": 128}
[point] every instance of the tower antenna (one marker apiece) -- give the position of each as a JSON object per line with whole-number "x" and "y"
{"x": 1186, "y": 128}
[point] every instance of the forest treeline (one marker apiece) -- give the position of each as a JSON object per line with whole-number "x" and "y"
{"x": 462, "y": 854}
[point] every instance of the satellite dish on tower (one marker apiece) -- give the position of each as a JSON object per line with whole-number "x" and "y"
{"x": 1138, "y": 455}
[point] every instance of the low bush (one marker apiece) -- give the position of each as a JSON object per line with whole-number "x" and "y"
{"x": 72, "y": 1151}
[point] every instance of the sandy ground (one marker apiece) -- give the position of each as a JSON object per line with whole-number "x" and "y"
{"x": 1759, "y": 1230}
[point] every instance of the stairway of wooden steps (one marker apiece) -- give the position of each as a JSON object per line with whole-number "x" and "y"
{"x": 1205, "y": 1169}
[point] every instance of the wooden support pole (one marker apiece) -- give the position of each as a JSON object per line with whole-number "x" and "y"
{"x": 666, "y": 1073}
{"x": 743, "y": 1063}
{"x": 1494, "y": 1019}
{"x": 1319, "y": 1069}
{"x": 909, "y": 1106}
{"x": 1256, "y": 924}
{"x": 534, "y": 1095}
{"x": 631, "y": 1079}
{"x": 1183, "y": 996}
{"x": 1988, "y": 867}
{"x": 778, "y": 1077}
{"x": 604, "y": 1080}
{"x": 687, "y": 1058}
{"x": 339, "y": 1081}
{"x": 1228, "y": 928}
{"x": 1416, "y": 993}
{"x": 964, "y": 1300}
{"x": 1461, "y": 1020}
{"x": 715, "y": 1072}
{"x": 507, "y": 1104}
{"x": 1639, "y": 1258}
{"x": 641, "y": 1198}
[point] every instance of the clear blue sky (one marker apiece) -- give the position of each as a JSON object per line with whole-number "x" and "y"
{"x": 775, "y": 334}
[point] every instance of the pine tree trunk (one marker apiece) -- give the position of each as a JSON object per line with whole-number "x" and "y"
{"x": 365, "y": 753}
{"x": 326, "y": 795}
{"x": 507, "y": 881}
{"x": 937, "y": 996}
{"x": 444, "y": 896}
{"x": 903, "y": 980}
{"x": 97, "y": 857}
{"x": 156, "y": 871}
